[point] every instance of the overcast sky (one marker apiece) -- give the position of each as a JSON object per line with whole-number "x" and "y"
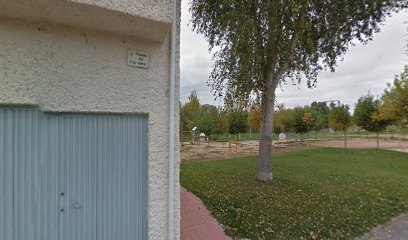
{"x": 364, "y": 68}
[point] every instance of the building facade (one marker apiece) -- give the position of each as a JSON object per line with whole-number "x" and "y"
{"x": 84, "y": 119}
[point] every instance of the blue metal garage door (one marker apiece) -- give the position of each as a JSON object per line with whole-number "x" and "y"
{"x": 67, "y": 176}
{"x": 6, "y": 174}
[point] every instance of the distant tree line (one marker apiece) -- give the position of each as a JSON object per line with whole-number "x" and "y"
{"x": 371, "y": 114}
{"x": 212, "y": 120}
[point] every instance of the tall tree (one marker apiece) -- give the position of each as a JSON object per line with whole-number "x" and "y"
{"x": 319, "y": 121}
{"x": 221, "y": 123}
{"x": 366, "y": 116}
{"x": 320, "y": 111}
{"x": 283, "y": 120}
{"x": 394, "y": 104}
{"x": 254, "y": 117}
{"x": 308, "y": 118}
{"x": 340, "y": 120}
{"x": 299, "y": 124}
{"x": 208, "y": 119}
{"x": 191, "y": 112}
{"x": 207, "y": 108}
{"x": 258, "y": 44}
{"x": 238, "y": 122}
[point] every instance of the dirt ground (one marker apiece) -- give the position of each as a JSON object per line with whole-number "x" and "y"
{"x": 364, "y": 143}
{"x": 225, "y": 150}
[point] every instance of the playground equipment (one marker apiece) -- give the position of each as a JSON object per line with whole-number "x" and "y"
{"x": 282, "y": 139}
{"x": 230, "y": 143}
{"x": 195, "y": 136}
{"x": 203, "y": 138}
{"x": 192, "y": 136}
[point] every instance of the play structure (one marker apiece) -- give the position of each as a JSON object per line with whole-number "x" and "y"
{"x": 231, "y": 146}
{"x": 193, "y": 136}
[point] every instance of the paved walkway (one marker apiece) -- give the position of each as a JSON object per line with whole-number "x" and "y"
{"x": 196, "y": 221}
{"x": 400, "y": 150}
{"x": 396, "y": 229}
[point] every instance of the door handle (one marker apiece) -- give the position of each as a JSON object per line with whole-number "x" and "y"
{"x": 76, "y": 205}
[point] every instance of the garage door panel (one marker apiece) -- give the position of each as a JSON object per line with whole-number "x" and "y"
{"x": 48, "y": 214}
{"x": 78, "y": 158}
{"x": 26, "y": 157}
{"x": 35, "y": 176}
{"x": 6, "y": 173}
{"x": 121, "y": 180}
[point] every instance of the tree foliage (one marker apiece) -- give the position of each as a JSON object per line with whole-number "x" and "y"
{"x": 308, "y": 118}
{"x": 207, "y": 121}
{"x": 238, "y": 122}
{"x": 254, "y": 117}
{"x": 366, "y": 114}
{"x": 283, "y": 120}
{"x": 190, "y": 113}
{"x": 213, "y": 121}
{"x": 299, "y": 124}
{"x": 206, "y": 124}
{"x": 395, "y": 100}
{"x": 319, "y": 121}
{"x": 320, "y": 111}
{"x": 221, "y": 124}
{"x": 339, "y": 118}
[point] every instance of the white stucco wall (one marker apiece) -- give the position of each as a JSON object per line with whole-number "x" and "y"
{"x": 148, "y": 19}
{"x": 159, "y": 10}
{"x": 68, "y": 68}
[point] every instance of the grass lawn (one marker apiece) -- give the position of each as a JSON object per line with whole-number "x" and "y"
{"x": 315, "y": 194}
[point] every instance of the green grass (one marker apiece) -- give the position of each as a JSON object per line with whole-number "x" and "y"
{"x": 315, "y": 194}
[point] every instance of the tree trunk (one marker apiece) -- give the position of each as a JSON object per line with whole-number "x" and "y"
{"x": 265, "y": 144}
{"x": 378, "y": 140}
{"x": 345, "y": 138}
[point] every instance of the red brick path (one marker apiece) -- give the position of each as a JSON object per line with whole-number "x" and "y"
{"x": 196, "y": 221}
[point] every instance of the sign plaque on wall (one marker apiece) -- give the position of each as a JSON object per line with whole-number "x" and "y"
{"x": 136, "y": 58}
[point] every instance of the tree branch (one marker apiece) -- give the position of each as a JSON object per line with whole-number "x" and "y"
{"x": 292, "y": 47}
{"x": 285, "y": 65}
